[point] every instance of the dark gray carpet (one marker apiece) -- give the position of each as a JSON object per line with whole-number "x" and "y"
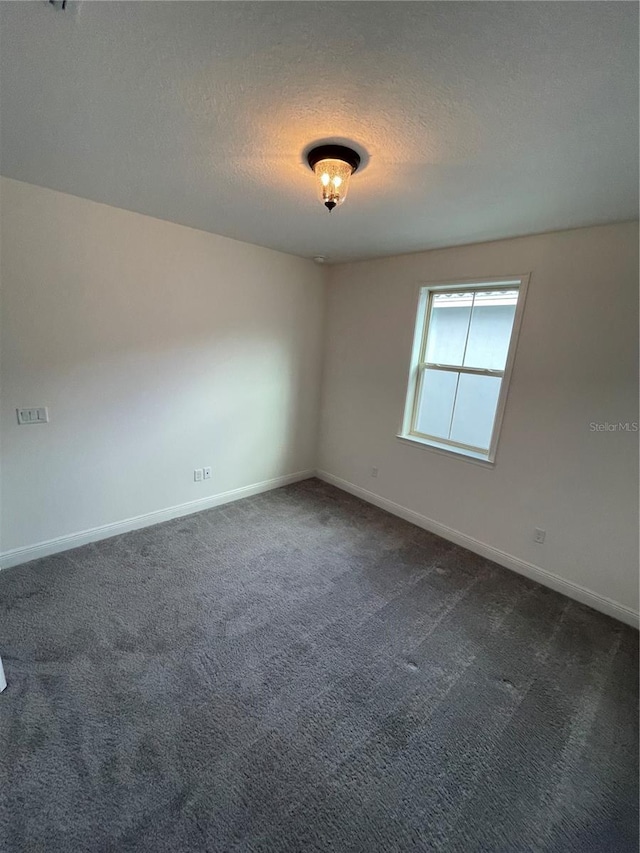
{"x": 301, "y": 671}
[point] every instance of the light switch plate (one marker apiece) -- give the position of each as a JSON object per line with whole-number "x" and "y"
{"x": 35, "y": 415}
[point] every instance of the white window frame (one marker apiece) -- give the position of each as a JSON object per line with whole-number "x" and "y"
{"x": 419, "y": 365}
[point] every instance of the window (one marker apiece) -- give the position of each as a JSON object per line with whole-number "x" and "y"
{"x": 463, "y": 350}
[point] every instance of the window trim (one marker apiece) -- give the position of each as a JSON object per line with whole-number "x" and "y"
{"x": 417, "y": 365}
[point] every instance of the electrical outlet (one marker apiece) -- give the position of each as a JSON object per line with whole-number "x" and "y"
{"x": 539, "y": 536}
{"x": 197, "y": 475}
{"x": 206, "y": 473}
{"x": 374, "y": 472}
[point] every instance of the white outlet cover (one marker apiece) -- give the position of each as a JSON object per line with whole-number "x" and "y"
{"x": 197, "y": 475}
{"x": 206, "y": 473}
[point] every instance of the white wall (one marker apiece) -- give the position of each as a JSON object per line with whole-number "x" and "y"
{"x": 576, "y": 364}
{"x": 157, "y": 349}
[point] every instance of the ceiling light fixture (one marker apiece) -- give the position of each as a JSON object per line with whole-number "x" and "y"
{"x": 333, "y": 165}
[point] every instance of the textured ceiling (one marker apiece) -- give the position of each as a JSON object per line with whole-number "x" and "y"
{"x": 478, "y": 120}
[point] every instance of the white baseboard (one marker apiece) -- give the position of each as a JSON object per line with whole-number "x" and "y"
{"x": 522, "y": 567}
{"x": 74, "y": 540}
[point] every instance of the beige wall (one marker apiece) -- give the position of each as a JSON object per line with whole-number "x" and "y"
{"x": 158, "y": 349}
{"x": 576, "y": 364}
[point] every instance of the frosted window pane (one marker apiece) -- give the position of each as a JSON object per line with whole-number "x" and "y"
{"x": 475, "y": 410}
{"x": 490, "y": 332}
{"x": 449, "y": 323}
{"x": 436, "y": 402}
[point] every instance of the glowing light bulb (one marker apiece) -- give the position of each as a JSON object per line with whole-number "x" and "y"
{"x": 333, "y": 178}
{"x": 333, "y": 165}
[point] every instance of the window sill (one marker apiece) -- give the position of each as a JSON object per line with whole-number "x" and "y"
{"x": 448, "y": 450}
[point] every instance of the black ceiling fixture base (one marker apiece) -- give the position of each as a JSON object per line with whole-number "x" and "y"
{"x": 333, "y": 152}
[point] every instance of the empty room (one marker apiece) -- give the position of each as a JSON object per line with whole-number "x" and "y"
{"x": 319, "y": 427}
